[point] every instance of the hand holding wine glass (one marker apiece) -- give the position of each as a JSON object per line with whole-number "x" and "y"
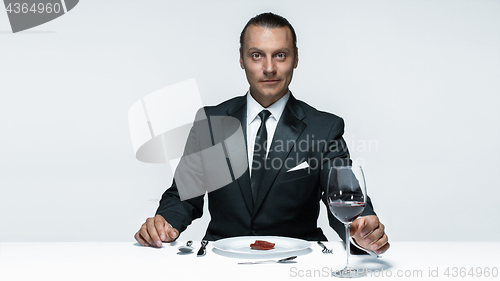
{"x": 369, "y": 233}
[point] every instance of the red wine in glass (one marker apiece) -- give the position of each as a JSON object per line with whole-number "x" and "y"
{"x": 346, "y": 211}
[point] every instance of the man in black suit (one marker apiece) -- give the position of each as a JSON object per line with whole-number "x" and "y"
{"x": 281, "y": 196}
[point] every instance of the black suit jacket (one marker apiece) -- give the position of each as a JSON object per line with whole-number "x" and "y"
{"x": 288, "y": 202}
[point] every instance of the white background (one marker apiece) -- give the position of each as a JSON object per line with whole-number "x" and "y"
{"x": 417, "y": 83}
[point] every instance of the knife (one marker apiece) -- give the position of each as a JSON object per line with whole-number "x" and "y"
{"x": 202, "y": 251}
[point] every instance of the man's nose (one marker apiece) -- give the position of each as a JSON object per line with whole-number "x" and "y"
{"x": 269, "y": 66}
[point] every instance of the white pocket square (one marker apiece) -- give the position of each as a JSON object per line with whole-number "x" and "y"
{"x": 302, "y": 165}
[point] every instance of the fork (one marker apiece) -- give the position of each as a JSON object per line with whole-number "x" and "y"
{"x": 325, "y": 249}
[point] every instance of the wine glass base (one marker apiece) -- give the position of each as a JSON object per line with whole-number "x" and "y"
{"x": 348, "y": 273}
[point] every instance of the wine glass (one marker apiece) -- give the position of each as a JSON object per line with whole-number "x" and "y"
{"x": 346, "y": 197}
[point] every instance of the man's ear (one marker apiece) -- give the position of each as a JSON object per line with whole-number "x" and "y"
{"x": 241, "y": 61}
{"x": 296, "y": 58}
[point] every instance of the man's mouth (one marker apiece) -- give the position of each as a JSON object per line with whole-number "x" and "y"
{"x": 270, "y": 81}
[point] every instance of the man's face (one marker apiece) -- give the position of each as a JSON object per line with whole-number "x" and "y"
{"x": 268, "y": 57}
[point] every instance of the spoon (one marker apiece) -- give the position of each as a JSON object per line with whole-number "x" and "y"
{"x": 285, "y": 260}
{"x": 187, "y": 248}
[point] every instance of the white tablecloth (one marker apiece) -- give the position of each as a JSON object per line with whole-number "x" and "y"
{"x": 129, "y": 261}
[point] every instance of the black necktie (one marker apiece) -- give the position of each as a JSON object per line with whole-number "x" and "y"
{"x": 259, "y": 153}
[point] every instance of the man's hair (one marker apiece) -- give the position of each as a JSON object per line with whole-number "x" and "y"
{"x": 268, "y": 20}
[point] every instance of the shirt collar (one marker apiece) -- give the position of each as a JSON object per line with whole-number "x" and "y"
{"x": 276, "y": 109}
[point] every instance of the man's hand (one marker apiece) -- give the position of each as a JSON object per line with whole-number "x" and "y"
{"x": 154, "y": 231}
{"x": 368, "y": 232}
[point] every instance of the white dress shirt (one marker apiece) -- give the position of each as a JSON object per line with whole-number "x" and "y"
{"x": 253, "y": 122}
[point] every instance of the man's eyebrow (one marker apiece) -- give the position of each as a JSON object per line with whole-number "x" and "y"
{"x": 285, "y": 50}
{"x": 251, "y": 50}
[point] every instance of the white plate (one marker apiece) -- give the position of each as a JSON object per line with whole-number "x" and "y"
{"x": 241, "y": 245}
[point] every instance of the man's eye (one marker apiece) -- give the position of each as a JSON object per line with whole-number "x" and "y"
{"x": 255, "y": 55}
{"x": 280, "y": 56}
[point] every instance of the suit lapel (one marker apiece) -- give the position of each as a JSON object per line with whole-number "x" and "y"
{"x": 289, "y": 128}
{"x": 237, "y": 149}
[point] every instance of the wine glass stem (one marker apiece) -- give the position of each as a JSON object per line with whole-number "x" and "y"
{"x": 347, "y": 244}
